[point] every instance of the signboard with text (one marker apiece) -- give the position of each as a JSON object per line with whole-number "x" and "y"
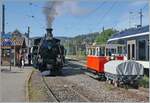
{"x": 7, "y": 40}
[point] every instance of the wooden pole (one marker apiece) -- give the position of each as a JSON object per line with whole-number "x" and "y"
{"x": 14, "y": 55}
{"x": 3, "y": 18}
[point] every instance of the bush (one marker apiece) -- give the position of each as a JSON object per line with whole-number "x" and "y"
{"x": 144, "y": 82}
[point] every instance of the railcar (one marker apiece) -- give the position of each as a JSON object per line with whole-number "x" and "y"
{"x": 98, "y": 55}
{"x": 108, "y": 61}
{"x": 121, "y": 72}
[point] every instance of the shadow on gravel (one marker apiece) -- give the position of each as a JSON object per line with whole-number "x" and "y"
{"x": 9, "y": 71}
{"x": 68, "y": 70}
{"x": 72, "y": 69}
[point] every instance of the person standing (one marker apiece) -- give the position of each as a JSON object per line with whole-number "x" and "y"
{"x": 22, "y": 62}
{"x": 29, "y": 59}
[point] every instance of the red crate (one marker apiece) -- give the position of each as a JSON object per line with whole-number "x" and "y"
{"x": 119, "y": 58}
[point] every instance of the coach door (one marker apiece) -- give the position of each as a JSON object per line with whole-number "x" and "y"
{"x": 131, "y": 49}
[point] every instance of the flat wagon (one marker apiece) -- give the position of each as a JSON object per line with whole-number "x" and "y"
{"x": 123, "y": 72}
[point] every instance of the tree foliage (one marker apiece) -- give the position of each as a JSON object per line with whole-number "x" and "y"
{"x": 76, "y": 45}
{"x": 104, "y": 36}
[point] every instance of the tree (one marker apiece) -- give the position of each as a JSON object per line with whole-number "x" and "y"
{"x": 104, "y": 36}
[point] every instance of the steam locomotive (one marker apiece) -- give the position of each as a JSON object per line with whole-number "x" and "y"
{"x": 50, "y": 54}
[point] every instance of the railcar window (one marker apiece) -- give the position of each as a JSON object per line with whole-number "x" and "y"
{"x": 120, "y": 50}
{"x": 133, "y": 51}
{"x": 100, "y": 50}
{"x": 113, "y": 51}
{"x": 93, "y": 52}
{"x": 90, "y": 51}
{"x": 142, "y": 50}
{"x": 97, "y": 52}
{"x": 128, "y": 51}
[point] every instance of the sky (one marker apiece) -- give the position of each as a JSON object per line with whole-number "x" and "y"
{"x": 75, "y": 17}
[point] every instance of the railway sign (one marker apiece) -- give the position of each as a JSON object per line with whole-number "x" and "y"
{"x": 7, "y": 40}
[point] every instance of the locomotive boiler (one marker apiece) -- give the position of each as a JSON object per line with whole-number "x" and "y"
{"x": 50, "y": 54}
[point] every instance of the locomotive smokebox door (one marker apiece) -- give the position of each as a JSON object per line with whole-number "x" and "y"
{"x": 49, "y": 66}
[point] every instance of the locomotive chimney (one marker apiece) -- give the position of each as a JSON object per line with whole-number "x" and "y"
{"x": 49, "y": 33}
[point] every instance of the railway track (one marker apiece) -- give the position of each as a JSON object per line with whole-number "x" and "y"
{"x": 49, "y": 91}
{"x": 60, "y": 91}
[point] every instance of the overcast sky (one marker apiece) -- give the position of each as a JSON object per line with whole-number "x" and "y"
{"x": 75, "y": 17}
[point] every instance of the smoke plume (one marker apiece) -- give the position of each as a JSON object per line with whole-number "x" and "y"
{"x": 50, "y": 11}
{"x": 57, "y": 8}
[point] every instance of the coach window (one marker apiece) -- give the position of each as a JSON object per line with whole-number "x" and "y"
{"x": 93, "y": 51}
{"x": 90, "y": 52}
{"x": 108, "y": 52}
{"x": 113, "y": 51}
{"x": 120, "y": 50}
{"x": 103, "y": 51}
{"x": 97, "y": 52}
{"x": 100, "y": 51}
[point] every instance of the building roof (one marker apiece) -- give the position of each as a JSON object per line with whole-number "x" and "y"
{"x": 17, "y": 33}
{"x": 131, "y": 32}
{"x": 19, "y": 41}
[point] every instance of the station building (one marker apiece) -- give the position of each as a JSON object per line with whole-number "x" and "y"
{"x": 11, "y": 50}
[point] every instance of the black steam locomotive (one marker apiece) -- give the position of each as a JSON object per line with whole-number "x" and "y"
{"x": 50, "y": 54}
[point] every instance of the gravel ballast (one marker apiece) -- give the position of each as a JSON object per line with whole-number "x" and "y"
{"x": 74, "y": 86}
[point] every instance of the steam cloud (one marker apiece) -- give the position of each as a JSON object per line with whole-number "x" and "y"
{"x": 50, "y": 11}
{"x": 57, "y": 8}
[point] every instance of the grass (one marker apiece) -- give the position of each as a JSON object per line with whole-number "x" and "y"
{"x": 144, "y": 82}
{"x": 37, "y": 91}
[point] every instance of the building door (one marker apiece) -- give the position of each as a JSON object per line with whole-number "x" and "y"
{"x": 131, "y": 49}
{"x": 6, "y": 57}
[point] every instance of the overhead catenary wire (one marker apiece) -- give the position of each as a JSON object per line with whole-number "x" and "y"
{"x": 91, "y": 13}
{"x": 86, "y": 15}
{"x": 134, "y": 16}
{"x": 94, "y": 10}
{"x": 32, "y": 16}
{"x": 106, "y": 13}
{"x": 146, "y": 5}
